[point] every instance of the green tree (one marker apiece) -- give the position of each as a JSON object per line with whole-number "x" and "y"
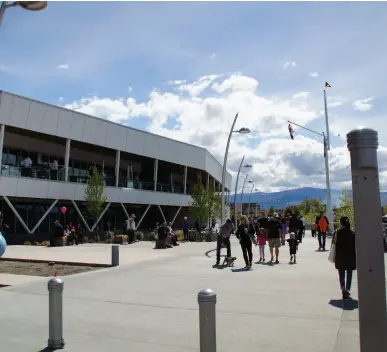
{"x": 346, "y": 207}
{"x": 94, "y": 195}
{"x": 271, "y": 210}
{"x": 214, "y": 203}
{"x": 311, "y": 206}
{"x": 292, "y": 209}
{"x": 199, "y": 206}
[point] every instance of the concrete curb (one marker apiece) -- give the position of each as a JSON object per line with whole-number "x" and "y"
{"x": 95, "y": 265}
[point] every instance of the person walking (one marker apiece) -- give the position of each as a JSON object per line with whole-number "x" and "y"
{"x": 345, "y": 258}
{"x": 244, "y": 235}
{"x": 185, "y": 228}
{"x": 273, "y": 235}
{"x": 293, "y": 246}
{"x": 261, "y": 240}
{"x": 224, "y": 239}
{"x": 130, "y": 227}
{"x": 322, "y": 226}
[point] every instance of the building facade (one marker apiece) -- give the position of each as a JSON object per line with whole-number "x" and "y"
{"x": 245, "y": 208}
{"x": 47, "y": 152}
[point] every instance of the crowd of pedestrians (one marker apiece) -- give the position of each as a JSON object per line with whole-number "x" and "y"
{"x": 276, "y": 230}
{"x": 259, "y": 231}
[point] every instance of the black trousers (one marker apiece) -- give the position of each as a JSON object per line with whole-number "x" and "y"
{"x": 226, "y": 242}
{"x": 345, "y": 284}
{"x": 185, "y": 235}
{"x": 247, "y": 250}
{"x": 299, "y": 235}
{"x": 130, "y": 236}
{"x": 322, "y": 237}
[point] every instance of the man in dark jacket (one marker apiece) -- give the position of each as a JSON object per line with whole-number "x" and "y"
{"x": 224, "y": 238}
{"x": 56, "y": 233}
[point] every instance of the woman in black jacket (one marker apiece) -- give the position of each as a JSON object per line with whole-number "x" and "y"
{"x": 345, "y": 259}
{"x": 243, "y": 234}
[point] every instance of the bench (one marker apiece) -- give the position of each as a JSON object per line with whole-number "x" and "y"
{"x": 60, "y": 242}
{"x": 160, "y": 244}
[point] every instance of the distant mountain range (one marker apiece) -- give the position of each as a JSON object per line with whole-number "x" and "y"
{"x": 294, "y": 197}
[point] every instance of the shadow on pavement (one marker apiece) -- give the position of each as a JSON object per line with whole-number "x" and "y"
{"x": 241, "y": 270}
{"x": 349, "y": 304}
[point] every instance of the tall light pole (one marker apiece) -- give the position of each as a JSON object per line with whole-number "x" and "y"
{"x": 26, "y": 5}
{"x": 251, "y": 192}
{"x": 327, "y": 177}
{"x": 243, "y": 189}
{"x": 327, "y": 148}
{"x": 242, "y": 131}
{"x": 236, "y": 188}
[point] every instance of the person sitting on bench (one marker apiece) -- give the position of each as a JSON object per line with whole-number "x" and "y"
{"x": 162, "y": 234}
{"x": 172, "y": 234}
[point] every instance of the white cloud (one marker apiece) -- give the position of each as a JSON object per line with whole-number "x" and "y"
{"x": 289, "y": 64}
{"x": 61, "y": 98}
{"x": 235, "y": 83}
{"x": 196, "y": 88}
{"x": 130, "y": 89}
{"x": 177, "y": 82}
{"x": 279, "y": 162}
{"x": 63, "y": 66}
{"x": 363, "y": 104}
{"x": 335, "y": 101}
{"x": 301, "y": 95}
{"x": 313, "y": 74}
{"x": 212, "y": 56}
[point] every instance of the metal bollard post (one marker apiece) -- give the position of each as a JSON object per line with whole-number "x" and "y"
{"x": 363, "y": 144}
{"x": 55, "y": 314}
{"x": 207, "y": 320}
{"x": 115, "y": 255}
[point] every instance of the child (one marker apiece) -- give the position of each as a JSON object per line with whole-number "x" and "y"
{"x": 293, "y": 246}
{"x": 261, "y": 241}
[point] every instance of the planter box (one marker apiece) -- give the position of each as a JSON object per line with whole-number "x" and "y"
{"x": 120, "y": 239}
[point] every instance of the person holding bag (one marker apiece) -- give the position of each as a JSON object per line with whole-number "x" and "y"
{"x": 343, "y": 254}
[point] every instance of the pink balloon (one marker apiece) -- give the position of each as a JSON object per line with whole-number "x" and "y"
{"x": 63, "y": 210}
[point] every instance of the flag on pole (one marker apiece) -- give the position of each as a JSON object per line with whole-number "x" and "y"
{"x": 325, "y": 147}
{"x": 327, "y": 85}
{"x": 291, "y": 131}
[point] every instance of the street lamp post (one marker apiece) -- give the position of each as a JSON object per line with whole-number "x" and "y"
{"x": 251, "y": 192}
{"x": 327, "y": 177}
{"x": 26, "y": 5}
{"x": 242, "y": 131}
{"x": 236, "y": 188}
{"x": 243, "y": 189}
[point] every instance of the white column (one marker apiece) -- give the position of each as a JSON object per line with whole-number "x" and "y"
{"x": 67, "y": 158}
{"x": 156, "y": 168}
{"x": 118, "y": 158}
{"x": 2, "y": 130}
{"x": 185, "y": 179}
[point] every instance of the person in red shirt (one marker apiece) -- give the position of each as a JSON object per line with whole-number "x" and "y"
{"x": 322, "y": 226}
{"x": 261, "y": 241}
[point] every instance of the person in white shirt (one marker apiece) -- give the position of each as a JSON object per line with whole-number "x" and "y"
{"x": 26, "y": 165}
{"x": 54, "y": 169}
{"x": 130, "y": 227}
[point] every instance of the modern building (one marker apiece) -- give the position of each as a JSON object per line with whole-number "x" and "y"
{"x": 244, "y": 208}
{"x": 145, "y": 174}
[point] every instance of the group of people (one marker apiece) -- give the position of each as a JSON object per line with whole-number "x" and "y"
{"x": 259, "y": 231}
{"x": 273, "y": 230}
{"x": 73, "y": 234}
{"x": 166, "y": 234}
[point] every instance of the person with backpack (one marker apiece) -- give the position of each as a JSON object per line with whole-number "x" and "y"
{"x": 322, "y": 227}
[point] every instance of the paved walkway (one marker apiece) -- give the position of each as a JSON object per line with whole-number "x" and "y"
{"x": 152, "y": 306}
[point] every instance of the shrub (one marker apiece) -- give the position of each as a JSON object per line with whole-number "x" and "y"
{"x": 45, "y": 243}
{"x": 35, "y": 243}
{"x": 27, "y": 243}
{"x": 180, "y": 235}
{"x": 139, "y": 236}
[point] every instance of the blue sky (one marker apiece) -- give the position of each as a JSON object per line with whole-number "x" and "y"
{"x": 94, "y": 56}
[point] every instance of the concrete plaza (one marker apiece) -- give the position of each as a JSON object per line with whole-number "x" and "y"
{"x": 151, "y": 305}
